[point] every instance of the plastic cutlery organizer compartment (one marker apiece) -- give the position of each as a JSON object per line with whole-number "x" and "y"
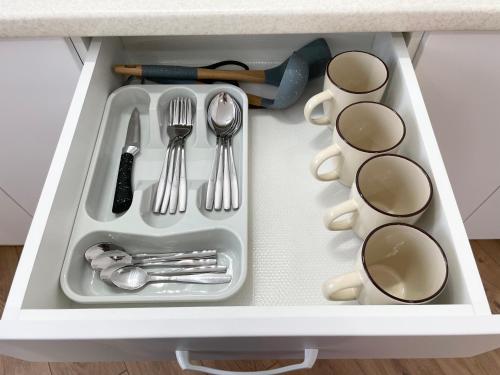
{"x": 139, "y": 230}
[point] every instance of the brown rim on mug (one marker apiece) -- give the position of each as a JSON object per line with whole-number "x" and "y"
{"x": 363, "y": 261}
{"x": 357, "y": 92}
{"x": 337, "y": 126}
{"x": 431, "y": 189}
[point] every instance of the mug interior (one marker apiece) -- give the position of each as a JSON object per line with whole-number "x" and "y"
{"x": 357, "y": 72}
{"x": 394, "y": 185}
{"x": 405, "y": 263}
{"x": 371, "y": 127}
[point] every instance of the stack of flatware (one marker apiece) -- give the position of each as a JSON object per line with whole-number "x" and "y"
{"x": 171, "y": 193}
{"x": 126, "y": 271}
{"x": 224, "y": 118}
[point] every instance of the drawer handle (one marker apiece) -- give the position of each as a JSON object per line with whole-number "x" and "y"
{"x": 310, "y": 356}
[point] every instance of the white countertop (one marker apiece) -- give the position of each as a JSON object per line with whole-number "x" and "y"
{"x": 200, "y": 17}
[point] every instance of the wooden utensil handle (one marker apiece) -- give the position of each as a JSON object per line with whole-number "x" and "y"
{"x": 129, "y": 70}
{"x": 256, "y": 76}
{"x": 254, "y": 100}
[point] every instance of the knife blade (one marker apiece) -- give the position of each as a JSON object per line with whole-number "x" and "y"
{"x": 123, "y": 191}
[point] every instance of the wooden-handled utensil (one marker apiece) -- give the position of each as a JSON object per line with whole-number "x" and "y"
{"x": 290, "y": 77}
{"x": 192, "y": 74}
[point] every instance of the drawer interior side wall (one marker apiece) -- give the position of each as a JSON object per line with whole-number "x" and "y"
{"x": 43, "y": 290}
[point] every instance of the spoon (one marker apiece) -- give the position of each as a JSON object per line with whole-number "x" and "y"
{"x": 95, "y": 250}
{"x": 235, "y": 199}
{"x": 105, "y": 274}
{"x": 114, "y": 257}
{"x": 119, "y": 255}
{"x": 221, "y": 114}
{"x": 132, "y": 278}
{"x": 103, "y": 247}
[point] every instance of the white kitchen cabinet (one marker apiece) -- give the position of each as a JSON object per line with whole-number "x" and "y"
{"x": 484, "y": 222}
{"x": 458, "y": 74}
{"x": 14, "y": 221}
{"x": 279, "y": 312}
{"x": 38, "y": 82}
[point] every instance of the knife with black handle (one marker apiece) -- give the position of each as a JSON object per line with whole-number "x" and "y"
{"x": 124, "y": 191}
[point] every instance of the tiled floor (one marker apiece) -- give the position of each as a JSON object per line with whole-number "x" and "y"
{"x": 488, "y": 258}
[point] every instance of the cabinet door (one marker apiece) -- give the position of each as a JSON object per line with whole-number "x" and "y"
{"x": 483, "y": 223}
{"x": 14, "y": 221}
{"x": 39, "y": 79}
{"x": 458, "y": 75}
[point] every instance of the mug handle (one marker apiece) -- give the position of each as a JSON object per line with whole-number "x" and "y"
{"x": 343, "y": 288}
{"x": 320, "y": 158}
{"x": 313, "y": 103}
{"x": 334, "y": 213}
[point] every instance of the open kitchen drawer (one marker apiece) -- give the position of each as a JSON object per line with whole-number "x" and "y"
{"x": 280, "y": 310}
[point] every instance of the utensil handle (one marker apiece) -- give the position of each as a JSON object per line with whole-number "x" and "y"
{"x": 178, "y": 255}
{"x": 235, "y": 194}
{"x": 219, "y": 180}
{"x": 176, "y": 180}
{"x": 162, "y": 182}
{"x": 202, "y": 278}
{"x": 188, "y": 270}
{"x": 170, "y": 175}
{"x": 175, "y": 263}
{"x": 256, "y": 76}
{"x": 123, "y": 191}
{"x": 186, "y": 73}
{"x": 209, "y": 202}
{"x": 183, "y": 183}
{"x": 226, "y": 190}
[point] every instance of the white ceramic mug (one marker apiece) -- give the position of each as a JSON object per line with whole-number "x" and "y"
{"x": 387, "y": 188}
{"x": 351, "y": 76}
{"x": 397, "y": 264}
{"x": 362, "y": 130}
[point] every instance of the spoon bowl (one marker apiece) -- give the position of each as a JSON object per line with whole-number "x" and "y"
{"x": 130, "y": 278}
{"x": 221, "y": 113}
{"x": 100, "y": 248}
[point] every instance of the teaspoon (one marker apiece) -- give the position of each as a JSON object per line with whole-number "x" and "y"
{"x": 133, "y": 278}
{"x": 105, "y": 247}
{"x": 232, "y": 167}
{"x": 221, "y": 114}
{"x": 107, "y": 259}
{"x": 105, "y": 274}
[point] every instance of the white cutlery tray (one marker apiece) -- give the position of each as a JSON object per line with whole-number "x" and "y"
{"x": 139, "y": 230}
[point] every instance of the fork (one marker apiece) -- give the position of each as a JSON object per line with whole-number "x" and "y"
{"x": 179, "y": 188}
{"x": 172, "y": 184}
{"x": 183, "y": 178}
{"x": 182, "y": 126}
{"x": 167, "y": 162}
